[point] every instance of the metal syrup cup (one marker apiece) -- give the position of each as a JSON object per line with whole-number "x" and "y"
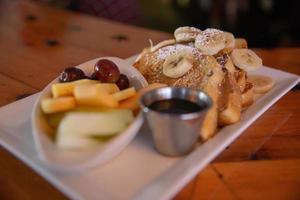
{"x": 175, "y": 134}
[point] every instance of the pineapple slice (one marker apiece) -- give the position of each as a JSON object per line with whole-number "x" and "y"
{"x": 66, "y": 89}
{"x": 94, "y": 95}
{"x": 109, "y": 87}
{"x": 59, "y": 104}
{"x": 124, "y": 94}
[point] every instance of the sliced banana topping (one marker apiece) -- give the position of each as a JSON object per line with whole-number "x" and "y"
{"x": 246, "y": 59}
{"x": 229, "y": 40}
{"x": 186, "y": 34}
{"x": 261, "y": 84}
{"x": 240, "y": 43}
{"x": 177, "y": 64}
{"x": 162, "y": 44}
{"x": 210, "y": 41}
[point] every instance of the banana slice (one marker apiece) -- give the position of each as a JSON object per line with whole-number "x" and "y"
{"x": 246, "y": 59}
{"x": 240, "y": 43}
{"x": 261, "y": 84}
{"x": 162, "y": 44}
{"x": 186, "y": 34}
{"x": 229, "y": 40}
{"x": 210, "y": 41}
{"x": 177, "y": 64}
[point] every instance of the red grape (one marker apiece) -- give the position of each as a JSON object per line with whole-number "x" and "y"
{"x": 107, "y": 71}
{"x": 71, "y": 74}
{"x": 123, "y": 82}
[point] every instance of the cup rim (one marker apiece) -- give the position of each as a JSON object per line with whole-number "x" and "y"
{"x": 190, "y": 115}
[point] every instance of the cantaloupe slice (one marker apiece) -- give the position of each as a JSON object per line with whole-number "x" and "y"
{"x": 124, "y": 94}
{"x": 54, "y": 105}
{"x": 132, "y": 103}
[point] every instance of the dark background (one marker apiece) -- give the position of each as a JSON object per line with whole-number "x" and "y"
{"x": 264, "y": 23}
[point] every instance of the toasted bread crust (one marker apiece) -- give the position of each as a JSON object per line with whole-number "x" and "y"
{"x": 247, "y": 95}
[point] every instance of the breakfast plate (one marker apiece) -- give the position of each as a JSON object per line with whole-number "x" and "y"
{"x": 138, "y": 172}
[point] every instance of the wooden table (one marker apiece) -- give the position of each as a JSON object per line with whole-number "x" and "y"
{"x": 37, "y": 42}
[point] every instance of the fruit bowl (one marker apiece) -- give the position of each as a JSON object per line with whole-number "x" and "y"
{"x": 78, "y": 160}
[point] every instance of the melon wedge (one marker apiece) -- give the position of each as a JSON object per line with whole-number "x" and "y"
{"x": 77, "y": 129}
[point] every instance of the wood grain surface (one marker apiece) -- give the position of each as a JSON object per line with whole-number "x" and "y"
{"x": 37, "y": 42}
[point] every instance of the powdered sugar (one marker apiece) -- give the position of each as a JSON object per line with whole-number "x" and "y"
{"x": 164, "y": 52}
{"x": 186, "y": 37}
{"x": 186, "y": 34}
{"x": 209, "y": 36}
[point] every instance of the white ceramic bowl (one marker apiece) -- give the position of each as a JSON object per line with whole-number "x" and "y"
{"x": 74, "y": 161}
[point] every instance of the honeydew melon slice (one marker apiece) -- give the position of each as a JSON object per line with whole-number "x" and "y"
{"x": 77, "y": 129}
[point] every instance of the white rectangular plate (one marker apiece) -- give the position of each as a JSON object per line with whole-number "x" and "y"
{"x": 138, "y": 172}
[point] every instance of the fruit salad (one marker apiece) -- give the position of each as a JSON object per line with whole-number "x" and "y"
{"x": 83, "y": 111}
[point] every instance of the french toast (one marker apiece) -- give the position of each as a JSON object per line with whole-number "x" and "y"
{"x": 210, "y": 60}
{"x": 212, "y": 88}
{"x": 247, "y": 95}
{"x": 229, "y": 104}
{"x": 151, "y": 66}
